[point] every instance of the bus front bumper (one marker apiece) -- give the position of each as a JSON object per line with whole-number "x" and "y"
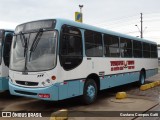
{"x": 3, "y": 83}
{"x": 46, "y": 93}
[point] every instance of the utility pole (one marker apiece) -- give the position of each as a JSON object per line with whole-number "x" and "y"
{"x": 141, "y": 25}
{"x": 141, "y": 30}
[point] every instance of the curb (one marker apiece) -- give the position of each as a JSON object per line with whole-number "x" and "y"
{"x": 121, "y": 95}
{"x": 149, "y": 85}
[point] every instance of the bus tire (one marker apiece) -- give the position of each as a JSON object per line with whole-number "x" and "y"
{"x": 141, "y": 78}
{"x": 89, "y": 92}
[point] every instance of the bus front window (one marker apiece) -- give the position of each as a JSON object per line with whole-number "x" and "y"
{"x": 17, "y": 61}
{"x": 40, "y": 52}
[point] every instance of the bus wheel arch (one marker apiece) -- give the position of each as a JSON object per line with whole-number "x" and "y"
{"x": 95, "y": 77}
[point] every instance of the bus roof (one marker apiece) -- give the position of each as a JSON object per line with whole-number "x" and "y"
{"x": 93, "y": 28}
{"x": 62, "y": 21}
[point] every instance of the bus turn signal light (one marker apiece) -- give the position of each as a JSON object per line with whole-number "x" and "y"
{"x": 53, "y": 77}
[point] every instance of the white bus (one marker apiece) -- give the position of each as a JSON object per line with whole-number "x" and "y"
{"x": 56, "y": 59}
{"x": 5, "y": 46}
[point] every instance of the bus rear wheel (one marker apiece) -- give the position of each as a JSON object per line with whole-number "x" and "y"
{"x": 141, "y": 78}
{"x": 89, "y": 92}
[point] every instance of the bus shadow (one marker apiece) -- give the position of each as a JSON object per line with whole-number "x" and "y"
{"x": 5, "y": 95}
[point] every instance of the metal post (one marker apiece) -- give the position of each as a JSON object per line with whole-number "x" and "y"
{"x": 141, "y": 26}
{"x": 80, "y": 6}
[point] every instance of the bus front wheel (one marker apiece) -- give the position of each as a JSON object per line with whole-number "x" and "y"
{"x": 89, "y": 91}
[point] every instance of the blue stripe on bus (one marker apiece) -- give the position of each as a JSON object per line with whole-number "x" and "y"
{"x": 150, "y": 73}
{"x": 52, "y": 90}
{"x": 119, "y": 79}
{"x": 3, "y": 83}
{"x": 69, "y": 89}
{"x": 58, "y": 91}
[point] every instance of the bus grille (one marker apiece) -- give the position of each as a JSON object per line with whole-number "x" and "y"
{"x": 26, "y": 83}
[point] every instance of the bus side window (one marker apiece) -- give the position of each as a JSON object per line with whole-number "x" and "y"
{"x": 70, "y": 47}
{"x": 137, "y": 49}
{"x": 126, "y": 47}
{"x": 146, "y": 50}
{"x": 154, "y": 51}
{"x": 93, "y": 44}
{"x": 7, "y": 48}
{"x": 111, "y": 46}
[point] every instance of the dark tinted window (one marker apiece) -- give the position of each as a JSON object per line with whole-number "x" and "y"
{"x": 70, "y": 47}
{"x": 154, "y": 51}
{"x": 93, "y": 44}
{"x": 7, "y": 48}
{"x": 111, "y": 46}
{"x": 72, "y": 42}
{"x": 126, "y": 47}
{"x": 146, "y": 50}
{"x": 137, "y": 49}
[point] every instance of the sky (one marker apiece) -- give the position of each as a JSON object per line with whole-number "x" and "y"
{"x": 117, "y": 15}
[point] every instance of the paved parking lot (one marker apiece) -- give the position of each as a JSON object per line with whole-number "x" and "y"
{"x": 137, "y": 100}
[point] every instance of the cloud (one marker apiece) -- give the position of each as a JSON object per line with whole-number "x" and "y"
{"x": 8, "y": 25}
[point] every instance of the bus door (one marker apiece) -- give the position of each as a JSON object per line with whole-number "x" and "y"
{"x": 71, "y": 56}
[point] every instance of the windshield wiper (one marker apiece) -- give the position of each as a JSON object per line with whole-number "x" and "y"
{"x": 35, "y": 41}
{"x": 22, "y": 37}
{"x": 24, "y": 42}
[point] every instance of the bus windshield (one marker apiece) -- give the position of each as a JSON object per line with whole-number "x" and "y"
{"x": 34, "y": 51}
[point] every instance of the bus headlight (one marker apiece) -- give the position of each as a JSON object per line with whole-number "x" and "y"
{"x": 46, "y": 82}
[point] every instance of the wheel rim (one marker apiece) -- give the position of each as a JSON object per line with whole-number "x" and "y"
{"x": 91, "y": 91}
